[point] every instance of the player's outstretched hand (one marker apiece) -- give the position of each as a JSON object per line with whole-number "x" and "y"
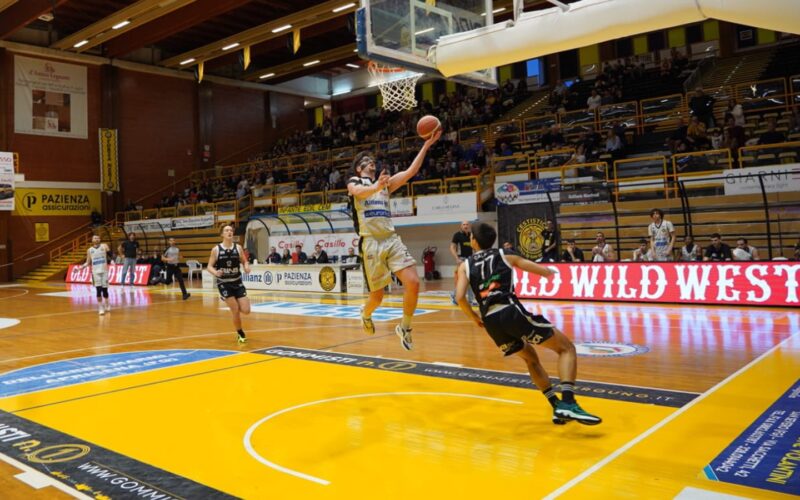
{"x": 434, "y": 137}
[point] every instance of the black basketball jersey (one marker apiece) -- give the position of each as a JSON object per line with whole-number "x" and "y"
{"x": 491, "y": 278}
{"x": 228, "y": 261}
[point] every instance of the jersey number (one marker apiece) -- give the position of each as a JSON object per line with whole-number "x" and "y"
{"x": 483, "y": 269}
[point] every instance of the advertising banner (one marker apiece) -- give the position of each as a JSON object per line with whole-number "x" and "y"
{"x": 532, "y": 191}
{"x": 109, "y": 159}
{"x": 333, "y": 244}
{"x": 56, "y": 201}
{"x": 50, "y": 98}
{"x": 776, "y": 178}
{"x": 299, "y": 278}
{"x": 456, "y": 203}
{"x": 735, "y": 283}
{"x": 6, "y": 181}
{"x": 77, "y": 274}
{"x": 522, "y": 225}
{"x": 401, "y": 207}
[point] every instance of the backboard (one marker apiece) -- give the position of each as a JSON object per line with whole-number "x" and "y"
{"x": 402, "y": 32}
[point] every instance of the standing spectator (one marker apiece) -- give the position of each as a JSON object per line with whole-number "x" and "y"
{"x": 603, "y": 252}
{"x": 319, "y": 256}
{"x": 594, "y": 101}
{"x": 702, "y": 106}
{"x": 461, "y": 249}
{"x": 572, "y": 253}
{"x": 744, "y": 251}
{"x": 172, "y": 257}
{"x": 613, "y": 145}
{"x": 642, "y": 254}
{"x": 299, "y": 256}
{"x": 662, "y": 236}
{"x": 736, "y": 112}
{"x": 717, "y": 250}
{"x": 130, "y": 249}
{"x": 689, "y": 251}
{"x": 274, "y": 257}
{"x": 549, "y": 243}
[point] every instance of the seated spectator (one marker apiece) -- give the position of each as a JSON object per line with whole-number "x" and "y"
{"x": 696, "y": 134}
{"x": 553, "y": 138}
{"x": 796, "y": 255}
{"x": 299, "y": 256}
{"x": 286, "y": 258}
{"x": 508, "y": 247}
{"x": 572, "y": 253}
{"x": 744, "y": 251}
{"x": 319, "y": 256}
{"x": 594, "y": 101}
{"x": 689, "y": 251}
{"x": 678, "y": 137}
{"x": 603, "y": 252}
{"x": 351, "y": 257}
{"x": 717, "y": 251}
{"x": 736, "y": 131}
{"x": 613, "y": 144}
{"x": 771, "y": 136}
{"x": 702, "y": 106}
{"x": 274, "y": 257}
{"x": 642, "y": 254}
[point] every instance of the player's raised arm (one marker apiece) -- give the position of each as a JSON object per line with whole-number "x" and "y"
{"x": 361, "y": 191}
{"x": 526, "y": 265}
{"x": 400, "y": 178}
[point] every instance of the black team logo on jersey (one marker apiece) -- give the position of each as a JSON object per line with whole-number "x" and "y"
{"x": 529, "y": 235}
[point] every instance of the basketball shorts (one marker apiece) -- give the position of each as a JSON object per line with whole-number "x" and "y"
{"x": 100, "y": 279}
{"x": 380, "y": 258}
{"x": 512, "y": 326}
{"x": 234, "y": 290}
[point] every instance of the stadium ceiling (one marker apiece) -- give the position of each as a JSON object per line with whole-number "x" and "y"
{"x": 181, "y": 34}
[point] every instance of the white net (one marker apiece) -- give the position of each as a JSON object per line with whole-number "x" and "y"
{"x": 396, "y": 85}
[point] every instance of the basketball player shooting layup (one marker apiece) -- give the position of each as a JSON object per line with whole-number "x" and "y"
{"x": 224, "y": 263}
{"x": 490, "y": 274}
{"x": 381, "y": 250}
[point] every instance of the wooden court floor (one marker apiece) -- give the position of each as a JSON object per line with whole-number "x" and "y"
{"x": 156, "y": 400}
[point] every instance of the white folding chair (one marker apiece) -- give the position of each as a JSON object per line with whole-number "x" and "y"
{"x": 194, "y": 267}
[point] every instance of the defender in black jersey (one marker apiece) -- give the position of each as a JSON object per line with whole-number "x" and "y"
{"x": 490, "y": 274}
{"x": 224, "y": 263}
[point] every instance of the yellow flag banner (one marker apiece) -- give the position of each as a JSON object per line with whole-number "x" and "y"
{"x": 246, "y": 57}
{"x": 55, "y": 201}
{"x": 296, "y": 40}
{"x": 109, "y": 159}
{"x": 200, "y": 70}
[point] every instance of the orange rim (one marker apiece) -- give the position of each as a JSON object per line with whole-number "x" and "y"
{"x": 375, "y": 67}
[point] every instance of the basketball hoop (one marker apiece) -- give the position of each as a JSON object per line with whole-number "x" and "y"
{"x": 396, "y": 85}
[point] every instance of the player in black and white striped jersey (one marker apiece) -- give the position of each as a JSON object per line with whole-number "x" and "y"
{"x": 225, "y": 262}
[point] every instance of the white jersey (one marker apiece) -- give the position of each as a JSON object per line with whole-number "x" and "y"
{"x": 372, "y": 215}
{"x": 99, "y": 259}
{"x": 661, "y": 235}
{"x": 604, "y": 254}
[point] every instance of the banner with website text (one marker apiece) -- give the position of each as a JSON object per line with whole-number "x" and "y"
{"x": 735, "y": 283}
{"x": 50, "y": 98}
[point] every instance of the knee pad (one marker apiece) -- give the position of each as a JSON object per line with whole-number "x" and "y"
{"x": 105, "y": 291}
{"x": 99, "y": 291}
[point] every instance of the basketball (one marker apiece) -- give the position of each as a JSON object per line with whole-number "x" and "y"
{"x": 427, "y": 125}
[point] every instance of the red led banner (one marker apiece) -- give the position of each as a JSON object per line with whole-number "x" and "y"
{"x": 77, "y": 274}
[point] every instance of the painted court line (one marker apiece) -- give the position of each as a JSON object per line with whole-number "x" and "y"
{"x": 43, "y": 478}
{"x": 249, "y": 434}
{"x": 630, "y": 444}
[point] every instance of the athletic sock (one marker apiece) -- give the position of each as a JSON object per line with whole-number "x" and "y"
{"x": 551, "y": 396}
{"x": 568, "y": 392}
{"x": 405, "y": 323}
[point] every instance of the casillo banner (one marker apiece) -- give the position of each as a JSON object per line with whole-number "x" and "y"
{"x": 40, "y": 201}
{"x": 300, "y": 278}
{"x": 78, "y": 274}
{"x": 333, "y": 244}
{"x": 734, "y": 283}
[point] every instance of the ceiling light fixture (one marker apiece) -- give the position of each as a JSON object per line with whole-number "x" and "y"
{"x": 343, "y": 7}
{"x": 121, "y": 25}
{"x": 80, "y": 44}
{"x": 311, "y": 63}
{"x": 187, "y": 61}
{"x": 351, "y": 65}
{"x": 231, "y": 46}
{"x": 282, "y": 28}
{"x": 262, "y": 77}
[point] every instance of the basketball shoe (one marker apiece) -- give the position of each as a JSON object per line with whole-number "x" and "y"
{"x": 366, "y": 323}
{"x": 405, "y": 337}
{"x": 571, "y": 411}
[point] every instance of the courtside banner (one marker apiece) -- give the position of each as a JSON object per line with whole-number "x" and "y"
{"x": 77, "y": 274}
{"x": 736, "y": 283}
{"x": 332, "y": 243}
